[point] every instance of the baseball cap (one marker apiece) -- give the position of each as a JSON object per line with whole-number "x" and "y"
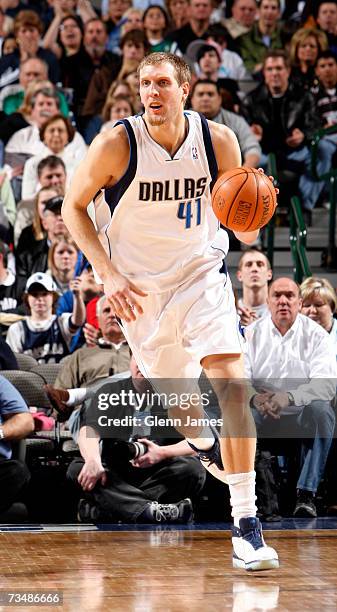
{"x": 38, "y": 280}
{"x": 195, "y": 49}
{"x": 54, "y": 204}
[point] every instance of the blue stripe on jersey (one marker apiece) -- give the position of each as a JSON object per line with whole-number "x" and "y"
{"x": 212, "y": 163}
{"x": 113, "y": 194}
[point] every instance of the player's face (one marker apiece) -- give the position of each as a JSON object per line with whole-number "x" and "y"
{"x": 284, "y": 302}
{"x": 160, "y": 93}
{"x": 318, "y": 309}
{"x": 254, "y": 272}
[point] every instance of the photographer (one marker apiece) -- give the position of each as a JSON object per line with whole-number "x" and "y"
{"x": 146, "y": 489}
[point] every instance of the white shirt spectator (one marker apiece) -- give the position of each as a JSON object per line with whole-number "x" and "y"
{"x": 284, "y": 363}
{"x": 27, "y": 140}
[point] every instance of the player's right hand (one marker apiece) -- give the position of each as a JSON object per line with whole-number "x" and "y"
{"x": 121, "y": 294}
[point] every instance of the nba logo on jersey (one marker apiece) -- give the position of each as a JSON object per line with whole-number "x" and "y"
{"x": 194, "y": 153}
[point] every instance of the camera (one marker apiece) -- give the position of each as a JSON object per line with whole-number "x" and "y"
{"x": 127, "y": 451}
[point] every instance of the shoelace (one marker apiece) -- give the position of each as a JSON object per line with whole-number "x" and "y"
{"x": 254, "y": 537}
{"x": 165, "y": 511}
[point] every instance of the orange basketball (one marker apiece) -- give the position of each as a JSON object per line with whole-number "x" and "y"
{"x": 244, "y": 199}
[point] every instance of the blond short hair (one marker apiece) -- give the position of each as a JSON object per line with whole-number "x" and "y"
{"x": 319, "y": 286}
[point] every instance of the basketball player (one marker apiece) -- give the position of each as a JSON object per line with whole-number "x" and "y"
{"x": 158, "y": 252}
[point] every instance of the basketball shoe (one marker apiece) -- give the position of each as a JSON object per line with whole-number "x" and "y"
{"x": 250, "y": 550}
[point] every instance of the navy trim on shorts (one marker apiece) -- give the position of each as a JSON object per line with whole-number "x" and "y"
{"x": 115, "y": 193}
{"x": 212, "y": 163}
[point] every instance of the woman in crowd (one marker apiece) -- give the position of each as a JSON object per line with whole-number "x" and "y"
{"x": 58, "y": 137}
{"x": 319, "y": 302}
{"x": 35, "y": 257}
{"x": 132, "y": 20}
{"x": 44, "y": 335}
{"x": 178, "y": 11}
{"x": 62, "y": 259}
{"x": 156, "y": 26}
{"x": 65, "y": 34}
{"x": 33, "y": 232}
{"x": 115, "y": 109}
{"x": 306, "y": 44}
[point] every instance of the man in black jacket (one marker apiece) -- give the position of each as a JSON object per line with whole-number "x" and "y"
{"x": 284, "y": 119}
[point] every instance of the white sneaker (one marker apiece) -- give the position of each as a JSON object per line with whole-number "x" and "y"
{"x": 250, "y": 550}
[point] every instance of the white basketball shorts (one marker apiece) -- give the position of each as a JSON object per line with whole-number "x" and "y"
{"x": 182, "y": 326}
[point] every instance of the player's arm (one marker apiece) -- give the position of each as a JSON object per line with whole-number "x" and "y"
{"x": 106, "y": 161}
{"x": 228, "y": 156}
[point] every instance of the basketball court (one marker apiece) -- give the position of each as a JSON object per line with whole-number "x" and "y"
{"x": 147, "y": 568}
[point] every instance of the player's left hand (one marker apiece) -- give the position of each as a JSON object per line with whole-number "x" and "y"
{"x": 272, "y": 179}
{"x": 153, "y": 455}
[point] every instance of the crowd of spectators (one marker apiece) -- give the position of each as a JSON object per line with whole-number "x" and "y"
{"x": 68, "y": 70}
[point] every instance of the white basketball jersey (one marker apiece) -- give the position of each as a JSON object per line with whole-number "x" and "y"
{"x": 157, "y": 223}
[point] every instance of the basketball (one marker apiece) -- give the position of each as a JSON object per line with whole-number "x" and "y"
{"x": 244, "y": 199}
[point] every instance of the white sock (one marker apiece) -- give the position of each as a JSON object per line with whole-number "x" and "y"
{"x": 76, "y": 396}
{"x": 204, "y": 441}
{"x": 242, "y": 492}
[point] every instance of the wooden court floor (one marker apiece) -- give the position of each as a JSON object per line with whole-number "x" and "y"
{"x": 148, "y": 571}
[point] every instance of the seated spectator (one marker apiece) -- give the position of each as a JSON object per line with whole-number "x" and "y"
{"x": 7, "y": 358}
{"x": 15, "y": 424}
{"x": 291, "y": 362}
{"x": 206, "y": 99}
{"x": 62, "y": 259}
{"x": 6, "y": 27}
{"x": 64, "y": 36}
{"x": 178, "y": 11}
{"x": 35, "y": 257}
{"x": 51, "y": 174}
{"x": 114, "y": 22}
{"x": 243, "y": 17}
{"x": 132, "y": 20}
{"x": 78, "y": 69}
{"x": 134, "y": 46}
{"x": 305, "y": 46}
{"x": 283, "y": 119}
{"x": 7, "y": 208}
{"x": 319, "y": 303}
{"x": 117, "y": 108}
{"x": 153, "y": 488}
{"x": 45, "y": 104}
{"x": 264, "y": 35}
{"x": 28, "y": 46}
{"x": 254, "y": 273}
{"x": 9, "y": 44}
{"x": 326, "y": 18}
{"x": 156, "y": 25}
{"x": 108, "y": 357}
{"x": 57, "y": 137}
{"x": 8, "y": 293}
{"x": 197, "y": 25}
{"x": 90, "y": 290}
{"x": 31, "y": 112}
{"x": 232, "y": 66}
{"x": 324, "y": 92}
{"x": 31, "y": 69}
{"x": 44, "y": 335}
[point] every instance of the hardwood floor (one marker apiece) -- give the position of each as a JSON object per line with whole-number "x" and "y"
{"x": 148, "y": 571}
